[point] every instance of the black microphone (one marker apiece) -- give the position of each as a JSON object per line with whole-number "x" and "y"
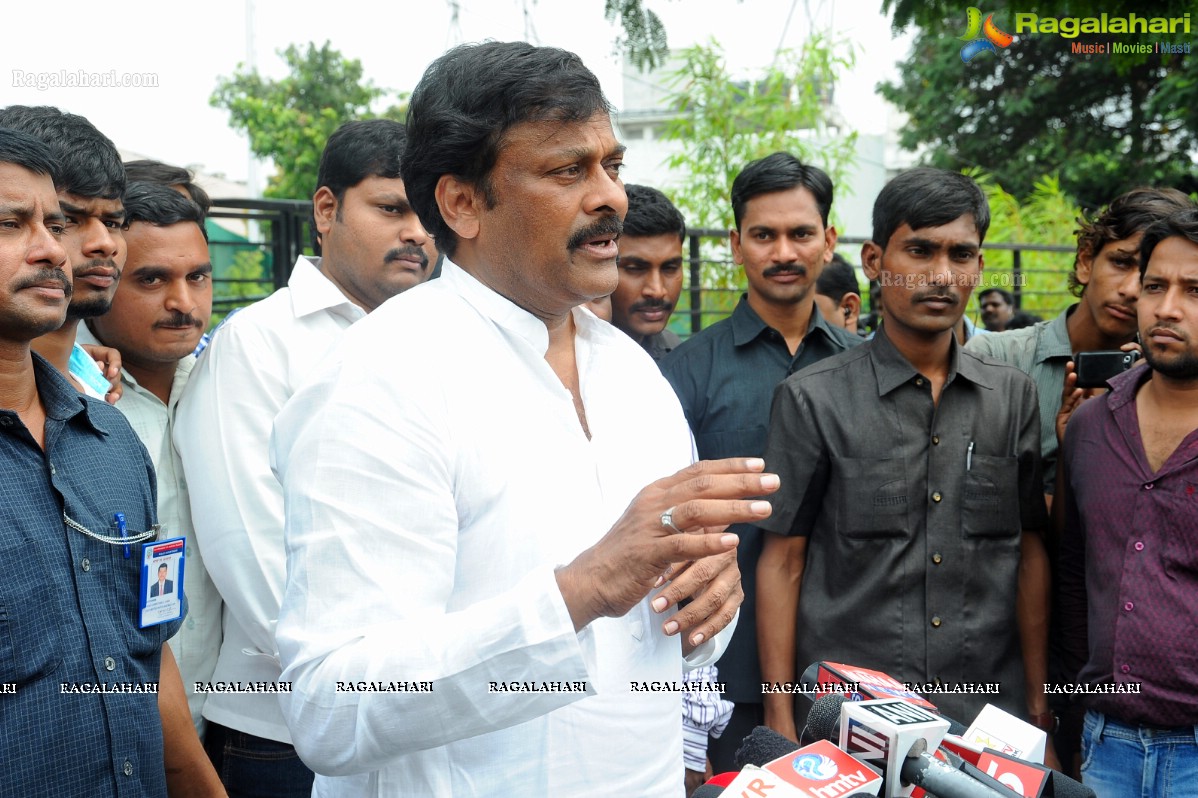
{"x": 761, "y": 746}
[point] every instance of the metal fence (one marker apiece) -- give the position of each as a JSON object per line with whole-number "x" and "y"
{"x": 254, "y": 247}
{"x": 1035, "y": 274}
{"x": 250, "y": 265}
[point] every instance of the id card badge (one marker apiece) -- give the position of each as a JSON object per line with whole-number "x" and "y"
{"x": 161, "y": 582}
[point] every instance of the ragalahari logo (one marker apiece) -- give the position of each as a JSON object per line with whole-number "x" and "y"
{"x": 982, "y": 37}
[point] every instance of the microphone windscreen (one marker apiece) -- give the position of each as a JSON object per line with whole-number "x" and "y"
{"x": 1065, "y": 787}
{"x": 707, "y": 791}
{"x": 823, "y": 721}
{"x": 761, "y": 746}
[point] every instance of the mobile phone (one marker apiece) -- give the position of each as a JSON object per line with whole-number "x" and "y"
{"x": 1095, "y": 368}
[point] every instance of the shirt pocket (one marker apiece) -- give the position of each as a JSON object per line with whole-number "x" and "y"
{"x": 990, "y": 498}
{"x": 874, "y": 498}
{"x": 30, "y": 647}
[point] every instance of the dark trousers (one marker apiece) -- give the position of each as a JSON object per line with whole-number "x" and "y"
{"x": 254, "y": 767}
{"x": 722, "y": 750}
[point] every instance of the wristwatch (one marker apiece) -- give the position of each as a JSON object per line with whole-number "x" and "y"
{"x": 1045, "y": 721}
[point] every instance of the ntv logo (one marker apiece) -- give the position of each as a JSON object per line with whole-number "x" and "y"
{"x": 980, "y": 38}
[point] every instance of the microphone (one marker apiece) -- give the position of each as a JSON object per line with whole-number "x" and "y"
{"x": 860, "y": 684}
{"x": 898, "y": 735}
{"x": 761, "y": 746}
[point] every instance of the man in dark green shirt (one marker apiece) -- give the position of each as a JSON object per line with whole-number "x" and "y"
{"x": 725, "y": 375}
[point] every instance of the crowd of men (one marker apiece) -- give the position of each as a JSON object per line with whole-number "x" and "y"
{"x": 473, "y": 539}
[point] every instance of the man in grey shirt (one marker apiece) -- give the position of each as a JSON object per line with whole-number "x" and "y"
{"x": 1106, "y": 278}
{"x": 906, "y": 535}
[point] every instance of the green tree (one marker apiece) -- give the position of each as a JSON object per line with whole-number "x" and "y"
{"x": 722, "y": 124}
{"x": 644, "y": 41}
{"x": 289, "y": 120}
{"x": 1047, "y": 217}
{"x": 1103, "y": 123}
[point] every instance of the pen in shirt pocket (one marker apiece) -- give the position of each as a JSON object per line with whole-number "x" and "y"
{"x": 969, "y": 457}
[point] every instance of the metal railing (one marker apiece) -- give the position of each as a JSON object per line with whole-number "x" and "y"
{"x": 249, "y": 266}
{"x": 1035, "y": 274}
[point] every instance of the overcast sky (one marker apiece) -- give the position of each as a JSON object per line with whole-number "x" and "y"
{"x": 188, "y": 50}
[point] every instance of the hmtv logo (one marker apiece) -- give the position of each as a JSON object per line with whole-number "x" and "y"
{"x": 824, "y": 771}
{"x": 981, "y": 36}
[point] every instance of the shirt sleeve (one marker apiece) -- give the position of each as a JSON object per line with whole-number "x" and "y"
{"x": 222, "y": 433}
{"x": 1071, "y": 568}
{"x": 981, "y": 345}
{"x": 1032, "y": 511}
{"x": 368, "y": 472}
{"x": 794, "y": 450}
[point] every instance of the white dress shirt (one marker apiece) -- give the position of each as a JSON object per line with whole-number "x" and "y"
{"x": 253, "y": 365}
{"x": 197, "y": 642}
{"x": 435, "y": 474}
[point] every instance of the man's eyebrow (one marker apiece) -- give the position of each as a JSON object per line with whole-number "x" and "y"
{"x": 79, "y": 210}
{"x": 394, "y": 200}
{"x": 587, "y": 152}
{"x": 22, "y": 212}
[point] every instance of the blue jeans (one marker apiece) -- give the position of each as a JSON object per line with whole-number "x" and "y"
{"x": 1124, "y": 761}
{"x": 254, "y": 767}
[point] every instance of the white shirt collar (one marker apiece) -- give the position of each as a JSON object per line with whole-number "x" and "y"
{"x": 313, "y": 291}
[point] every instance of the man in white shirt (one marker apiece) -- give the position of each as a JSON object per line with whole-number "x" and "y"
{"x": 491, "y": 519}
{"x": 374, "y": 247}
{"x": 158, "y": 314}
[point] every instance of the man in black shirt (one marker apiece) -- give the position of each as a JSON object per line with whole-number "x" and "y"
{"x": 906, "y": 535}
{"x": 726, "y": 374}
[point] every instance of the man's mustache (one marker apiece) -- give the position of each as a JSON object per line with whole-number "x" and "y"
{"x": 651, "y": 304}
{"x": 44, "y": 276}
{"x": 937, "y": 295}
{"x": 785, "y": 268}
{"x": 179, "y": 320}
{"x": 406, "y": 253}
{"x": 608, "y": 226}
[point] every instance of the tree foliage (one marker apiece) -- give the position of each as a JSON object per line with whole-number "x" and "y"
{"x": 289, "y": 120}
{"x": 1047, "y": 216}
{"x": 722, "y": 124}
{"x": 644, "y": 40}
{"x": 1103, "y": 123}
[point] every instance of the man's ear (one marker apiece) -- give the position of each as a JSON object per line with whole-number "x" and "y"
{"x": 871, "y": 260}
{"x": 459, "y": 203}
{"x": 850, "y": 305}
{"x": 734, "y": 240}
{"x": 830, "y": 237}
{"x": 1084, "y": 268}
{"x": 324, "y": 209}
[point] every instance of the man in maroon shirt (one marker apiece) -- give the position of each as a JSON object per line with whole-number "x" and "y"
{"x": 1129, "y": 556}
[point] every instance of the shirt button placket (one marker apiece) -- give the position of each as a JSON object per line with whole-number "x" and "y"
{"x": 128, "y": 768}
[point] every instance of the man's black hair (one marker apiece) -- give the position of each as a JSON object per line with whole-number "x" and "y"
{"x": 157, "y": 204}
{"x": 466, "y": 103}
{"x": 1182, "y": 224}
{"x": 837, "y": 279}
{"x": 148, "y": 171}
{"x": 927, "y": 197}
{"x": 780, "y": 172}
{"x": 1130, "y": 213}
{"x": 358, "y": 150}
{"x": 1006, "y": 295}
{"x": 650, "y": 213}
{"x": 88, "y": 164}
{"x": 26, "y": 151}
